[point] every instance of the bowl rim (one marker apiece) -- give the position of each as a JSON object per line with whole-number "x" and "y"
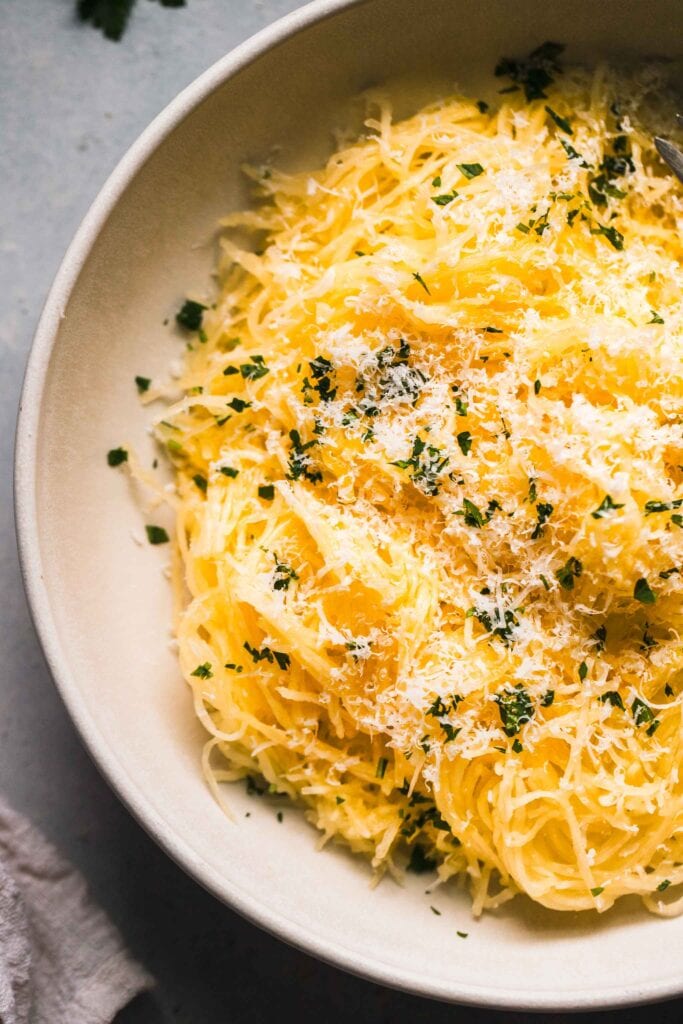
{"x": 114, "y": 771}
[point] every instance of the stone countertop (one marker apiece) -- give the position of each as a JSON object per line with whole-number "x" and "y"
{"x": 72, "y": 103}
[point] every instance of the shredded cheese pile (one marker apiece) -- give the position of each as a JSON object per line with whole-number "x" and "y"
{"x": 429, "y": 457}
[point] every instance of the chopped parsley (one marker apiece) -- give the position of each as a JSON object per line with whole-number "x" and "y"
{"x": 203, "y": 671}
{"x": 515, "y": 709}
{"x": 517, "y": 747}
{"x": 583, "y": 671}
{"x": 445, "y": 198}
{"x": 420, "y": 281}
{"x": 460, "y": 406}
{"x": 229, "y": 472}
{"x": 614, "y": 237}
{"x": 600, "y": 637}
{"x": 266, "y": 491}
{"x": 642, "y": 592}
{"x": 572, "y": 153}
{"x": 656, "y": 318}
{"x": 381, "y": 768}
{"x": 300, "y": 463}
{"x": 117, "y": 456}
{"x": 597, "y": 890}
{"x": 190, "y": 315}
{"x": 143, "y": 383}
{"x": 283, "y": 575}
{"x": 426, "y": 463}
{"x": 472, "y": 514}
{"x": 569, "y": 572}
{"x": 643, "y": 715}
{"x": 535, "y": 72}
{"x": 233, "y": 667}
{"x": 605, "y": 507}
{"x": 238, "y": 404}
{"x": 482, "y": 106}
{"x": 537, "y": 387}
{"x": 612, "y": 697}
{"x": 544, "y": 510}
{"x": 321, "y": 369}
{"x": 662, "y": 506}
{"x": 266, "y": 654}
{"x": 156, "y": 535}
{"x": 663, "y": 885}
{"x": 547, "y": 698}
{"x": 254, "y": 369}
{"x": 498, "y": 625}
{"x": 201, "y": 482}
{"x": 435, "y": 911}
{"x": 465, "y": 441}
{"x": 561, "y": 122}
{"x": 462, "y": 935}
{"x": 450, "y": 731}
{"x": 470, "y": 170}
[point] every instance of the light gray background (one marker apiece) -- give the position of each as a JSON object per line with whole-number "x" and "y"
{"x": 71, "y": 103}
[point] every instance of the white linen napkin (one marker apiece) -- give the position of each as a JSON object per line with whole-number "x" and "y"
{"x": 61, "y": 960}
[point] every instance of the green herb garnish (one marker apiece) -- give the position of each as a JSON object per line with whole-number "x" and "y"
{"x": 561, "y": 122}
{"x": 535, "y": 72}
{"x": 569, "y": 572}
{"x": 116, "y": 456}
{"x": 465, "y": 441}
{"x": 470, "y": 170}
{"x": 420, "y": 281}
{"x": 190, "y": 315}
{"x": 266, "y": 491}
{"x": 156, "y": 535}
{"x": 612, "y": 697}
{"x": 605, "y": 507}
{"x": 642, "y": 592}
{"x": 515, "y": 709}
{"x": 544, "y": 510}
{"x": 203, "y": 671}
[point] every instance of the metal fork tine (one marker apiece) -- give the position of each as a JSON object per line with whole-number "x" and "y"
{"x": 671, "y": 155}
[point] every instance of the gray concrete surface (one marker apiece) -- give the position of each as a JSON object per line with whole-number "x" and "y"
{"x": 70, "y": 105}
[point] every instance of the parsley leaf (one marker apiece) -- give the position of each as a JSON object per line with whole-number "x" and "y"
{"x": 143, "y": 383}
{"x": 535, "y": 72}
{"x": 420, "y": 281}
{"x": 156, "y": 535}
{"x": 255, "y": 369}
{"x": 470, "y": 170}
{"x": 605, "y": 507}
{"x": 203, "y": 671}
{"x": 116, "y": 456}
{"x": 266, "y": 491}
{"x": 544, "y": 510}
{"x": 561, "y": 122}
{"x": 190, "y": 315}
{"x": 643, "y": 593}
{"x": 612, "y": 697}
{"x": 515, "y": 709}
{"x": 465, "y": 441}
{"x": 569, "y": 572}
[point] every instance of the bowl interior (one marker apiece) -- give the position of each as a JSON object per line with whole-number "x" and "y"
{"x": 100, "y": 598}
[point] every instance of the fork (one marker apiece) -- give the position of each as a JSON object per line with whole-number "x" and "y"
{"x": 671, "y": 154}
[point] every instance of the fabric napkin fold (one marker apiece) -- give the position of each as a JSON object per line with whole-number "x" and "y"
{"x": 62, "y": 961}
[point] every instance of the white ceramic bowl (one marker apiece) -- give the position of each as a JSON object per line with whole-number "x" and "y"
{"x": 100, "y": 602}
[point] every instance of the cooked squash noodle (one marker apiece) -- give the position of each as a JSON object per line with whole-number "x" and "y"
{"x": 428, "y": 454}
